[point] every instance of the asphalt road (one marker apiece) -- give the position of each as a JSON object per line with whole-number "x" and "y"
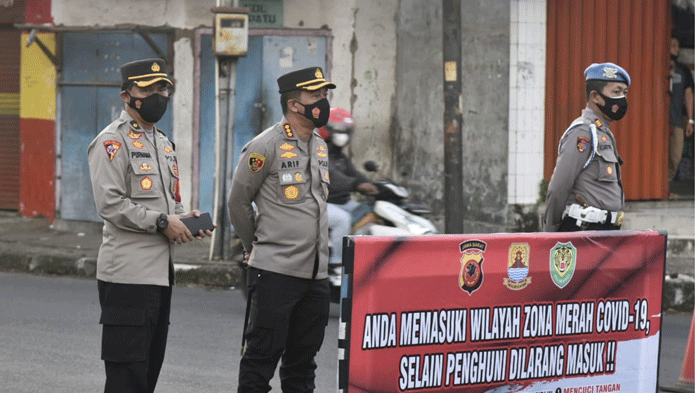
{"x": 50, "y": 339}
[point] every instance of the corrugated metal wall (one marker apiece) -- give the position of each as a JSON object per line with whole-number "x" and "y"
{"x": 9, "y": 118}
{"x": 634, "y": 34}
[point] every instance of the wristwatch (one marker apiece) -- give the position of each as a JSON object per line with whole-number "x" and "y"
{"x": 162, "y": 222}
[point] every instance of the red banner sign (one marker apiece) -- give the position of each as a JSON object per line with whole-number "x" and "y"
{"x": 557, "y": 313}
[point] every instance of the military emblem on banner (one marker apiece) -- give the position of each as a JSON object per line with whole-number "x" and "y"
{"x": 562, "y": 261}
{"x": 471, "y": 274}
{"x": 518, "y": 267}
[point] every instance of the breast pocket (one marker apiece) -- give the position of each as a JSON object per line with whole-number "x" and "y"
{"x": 145, "y": 179}
{"x": 292, "y": 186}
{"x": 607, "y": 166}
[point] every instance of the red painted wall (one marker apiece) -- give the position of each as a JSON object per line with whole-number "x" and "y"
{"x": 38, "y": 168}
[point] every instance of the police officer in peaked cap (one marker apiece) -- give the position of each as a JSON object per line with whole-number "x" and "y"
{"x": 585, "y": 191}
{"x": 284, "y": 171}
{"x": 135, "y": 180}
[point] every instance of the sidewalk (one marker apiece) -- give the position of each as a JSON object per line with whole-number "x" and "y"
{"x": 69, "y": 247}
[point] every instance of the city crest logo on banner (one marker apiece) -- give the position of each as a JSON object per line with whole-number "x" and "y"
{"x": 471, "y": 274}
{"x": 518, "y": 267}
{"x": 562, "y": 263}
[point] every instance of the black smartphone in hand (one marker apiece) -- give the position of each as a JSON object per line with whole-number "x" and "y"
{"x": 195, "y": 224}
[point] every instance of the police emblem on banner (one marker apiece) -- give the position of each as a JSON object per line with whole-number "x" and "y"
{"x": 518, "y": 267}
{"x": 562, "y": 261}
{"x": 471, "y": 274}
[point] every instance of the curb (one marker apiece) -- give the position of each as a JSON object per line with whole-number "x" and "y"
{"x": 221, "y": 274}
{"x": 678, "y": 289}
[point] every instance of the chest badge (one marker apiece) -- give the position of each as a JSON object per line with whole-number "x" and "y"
{"x": 604, "y": 138}
{"x": 146, "y": 183}
{"x": 299, "y": 177}
{"x": 145, "y": 167}
{"x": 288, "y": 154}
{"x": 321, "y": 151}
{"x": 291, "y": 192}
{"x": 287, "y": 147}
{"x": 134, "y": 135}
{"x": 167, "y": 149}
{"x": 610, "y": 170}
{"x": 256, "y": 162}
{"x": 138, "y": 144}
{"x": 175, "y": 169}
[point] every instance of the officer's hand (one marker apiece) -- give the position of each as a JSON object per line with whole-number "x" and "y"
{"x": 246, "y": 257}
{"x": 368, "y": 189}
{"x": 689, "y": 130}
{"x": 176, "y": 231}
{"x": 201, "y": 234}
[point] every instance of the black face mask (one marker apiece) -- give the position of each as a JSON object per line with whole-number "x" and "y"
{"x": 614, "y": 108}
{"x": 318, "y": 112}
{"x": 673, "y": 57}
{"x": 150, "y": 108}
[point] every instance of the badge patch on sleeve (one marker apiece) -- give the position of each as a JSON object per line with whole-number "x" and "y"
{"x": 175, "y": 169}
{"x": 583, "y": 143}
{"x": 146, "y": 183}
{"x": 112, "y": 148}
{"x": 291, "y": 192}
{"x": 256, "y": 162}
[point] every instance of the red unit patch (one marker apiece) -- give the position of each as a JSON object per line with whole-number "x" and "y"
{"x": 112, "y": 148}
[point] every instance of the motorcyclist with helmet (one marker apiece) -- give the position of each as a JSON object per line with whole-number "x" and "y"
{"x": 345, "y": 179}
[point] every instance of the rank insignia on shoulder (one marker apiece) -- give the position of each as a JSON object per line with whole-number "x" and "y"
{"x": 256, "y": 162}
{"x": 138, "y": 144}
{"x": 288, "y": 130}
{"x": 598, "y": 123}
{"x": 145, "y": 167}
{"x": 583, "y": 143}
{"x": 287, "y": 147}
{"x": 134, "y": 125}
{"x": 288, "y": 154}
{"x": 134, "y": 135}
{"x": 167, "y": 149}
{"x": 146, "y": 183}
{"x": 291, "y": 192}
{"x": 112, "y": 148}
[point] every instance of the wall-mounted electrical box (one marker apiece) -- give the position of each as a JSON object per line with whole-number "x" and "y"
{"x": 230, "y": 31}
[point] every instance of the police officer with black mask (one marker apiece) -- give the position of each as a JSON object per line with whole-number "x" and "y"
{"x": 585, "y": 191}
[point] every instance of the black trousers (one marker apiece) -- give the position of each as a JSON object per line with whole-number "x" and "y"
{"x": 287, "y": 319}
{"x": 135, "y": 321}
{"x": 569, "y": 224}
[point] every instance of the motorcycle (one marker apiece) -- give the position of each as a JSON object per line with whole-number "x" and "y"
{"x": 389, "y": 213}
